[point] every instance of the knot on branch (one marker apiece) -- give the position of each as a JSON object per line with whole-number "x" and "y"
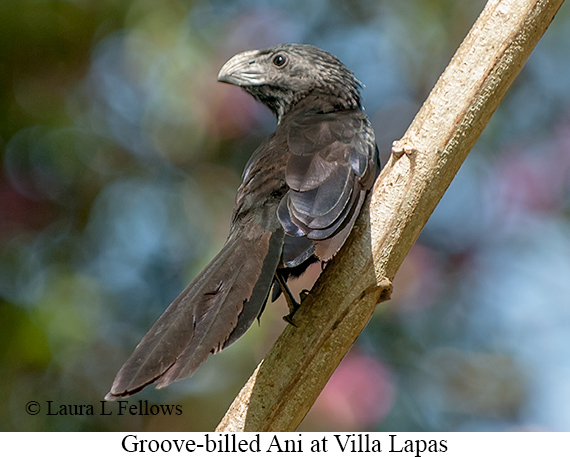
{"x": 383, "y": 290}
{"x": 401, "y": 147}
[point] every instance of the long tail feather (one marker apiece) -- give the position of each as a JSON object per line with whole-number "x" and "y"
{"x": 214, "y": 311}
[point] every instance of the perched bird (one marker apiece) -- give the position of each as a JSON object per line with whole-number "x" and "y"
{"x": 301, "y": 193}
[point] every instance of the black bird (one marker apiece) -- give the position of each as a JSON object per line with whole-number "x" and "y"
{"x": 302, "y": 191}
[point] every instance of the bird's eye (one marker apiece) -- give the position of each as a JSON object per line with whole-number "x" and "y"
{"x": 279, "y": 60}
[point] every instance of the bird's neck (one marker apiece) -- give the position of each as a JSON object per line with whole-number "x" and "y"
{"x": 281, "y": 102}
{"x": 317, "y": 102}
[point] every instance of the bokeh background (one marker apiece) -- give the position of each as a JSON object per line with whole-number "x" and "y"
{"x": 120, "y": 155}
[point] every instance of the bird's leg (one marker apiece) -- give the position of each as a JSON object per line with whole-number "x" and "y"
{"x": 291, "y": 302}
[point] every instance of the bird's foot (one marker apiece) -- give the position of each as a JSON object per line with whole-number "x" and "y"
{"x": 289, "y": 318}
{"x": 294, "y": 306}
{"x": 291, "y": 302}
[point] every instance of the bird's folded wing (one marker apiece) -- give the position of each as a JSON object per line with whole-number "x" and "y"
{"x": 333, "y": 162}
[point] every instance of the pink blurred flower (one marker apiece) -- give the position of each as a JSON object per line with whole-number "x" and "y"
{"x": 359, "y": 394}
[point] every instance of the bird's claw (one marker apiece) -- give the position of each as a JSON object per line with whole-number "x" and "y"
{"x": 294, "y": 306}
{"x": 289, "y": 318}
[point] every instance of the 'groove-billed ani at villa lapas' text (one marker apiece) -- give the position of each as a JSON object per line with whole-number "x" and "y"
{"x": 302, "y": 191}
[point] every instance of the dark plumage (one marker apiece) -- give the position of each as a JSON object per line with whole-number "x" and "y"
{"x": 302, "y": 190}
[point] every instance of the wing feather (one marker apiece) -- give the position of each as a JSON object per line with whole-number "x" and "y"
{"x": 333, "y": 161}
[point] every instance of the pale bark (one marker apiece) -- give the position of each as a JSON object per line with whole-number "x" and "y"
{"x": 423, "y": 163}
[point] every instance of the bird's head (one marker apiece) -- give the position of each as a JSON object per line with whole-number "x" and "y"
{"x": 283, "y": 75}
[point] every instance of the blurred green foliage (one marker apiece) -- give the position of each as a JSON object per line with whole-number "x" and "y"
{"x": 119, "y": 160}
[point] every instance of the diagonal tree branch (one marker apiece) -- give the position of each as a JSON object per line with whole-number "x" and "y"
{"x": 423, "y": 163}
